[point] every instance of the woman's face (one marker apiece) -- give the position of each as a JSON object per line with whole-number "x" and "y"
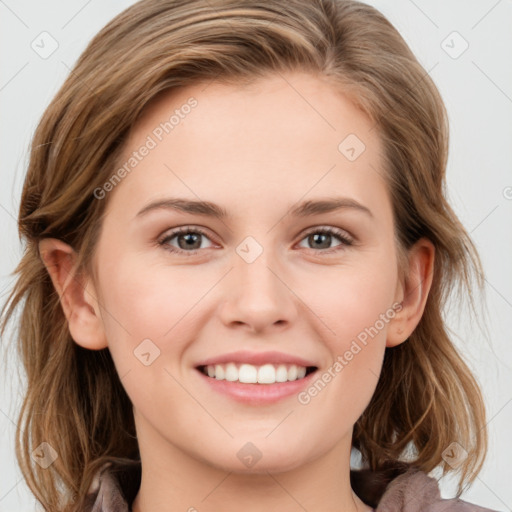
{"x": 265, "y": 286}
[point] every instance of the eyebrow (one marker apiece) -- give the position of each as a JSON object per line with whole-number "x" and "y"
{"x": 311, "y": 207}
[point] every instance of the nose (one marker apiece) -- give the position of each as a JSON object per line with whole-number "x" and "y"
{"x": 258, "y": 297}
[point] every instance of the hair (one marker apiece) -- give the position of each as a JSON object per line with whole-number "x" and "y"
{"x": 426, "y": 397}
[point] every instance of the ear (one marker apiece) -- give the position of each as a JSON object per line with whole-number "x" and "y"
{"x": 76, "y": 292}
{"x": 412, "y": 292}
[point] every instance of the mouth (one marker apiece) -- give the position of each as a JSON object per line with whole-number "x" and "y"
{"x": 256, "y": 378}
{"x": 266, "y": 374}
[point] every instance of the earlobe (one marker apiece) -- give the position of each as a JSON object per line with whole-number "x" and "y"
{"x": 76, "y": 294}
{"x": 414, "y": 292}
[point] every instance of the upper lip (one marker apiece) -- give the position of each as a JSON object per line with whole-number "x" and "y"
{"x": 256, "y": 358}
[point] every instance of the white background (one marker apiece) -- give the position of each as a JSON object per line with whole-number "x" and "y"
{"x": 477, "y": 90}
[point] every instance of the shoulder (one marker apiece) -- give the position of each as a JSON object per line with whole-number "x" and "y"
{"x": 415, "y": 491}
{"x": 113, "y": 489}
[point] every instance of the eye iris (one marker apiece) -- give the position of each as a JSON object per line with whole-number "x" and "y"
{"x": 191, "y": 238}
{"x": 318, "y": 236}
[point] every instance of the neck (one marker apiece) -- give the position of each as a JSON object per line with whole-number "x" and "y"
{"x": 172, "y": 480}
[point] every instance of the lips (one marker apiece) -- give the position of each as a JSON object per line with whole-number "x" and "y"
{"x": 269, "y": 378}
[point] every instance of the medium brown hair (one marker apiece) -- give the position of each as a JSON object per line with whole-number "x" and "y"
{"x": 426, "y": 397}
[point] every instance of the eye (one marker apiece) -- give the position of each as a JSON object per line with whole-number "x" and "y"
{"x": 321, "y": 238}
{"x": 188, "y": 240}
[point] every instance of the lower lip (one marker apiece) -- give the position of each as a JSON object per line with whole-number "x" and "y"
{"x": 257, "y": 393}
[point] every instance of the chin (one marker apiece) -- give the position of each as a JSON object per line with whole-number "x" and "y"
{"x": 249, "y": 459}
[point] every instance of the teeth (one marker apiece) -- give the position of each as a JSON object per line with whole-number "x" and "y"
{"x": 231, "y": 372}
{"x": 250, "y": 374}
{"x": 218, "y": 372}
{"x": 266, "y": 374}
{"x": 281, "y": 373}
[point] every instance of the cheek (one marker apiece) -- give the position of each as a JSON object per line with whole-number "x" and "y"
{"x": 147, "y": 301}
{"x": 352, "y": 300}
{"x": 145, "y": 312}
{"x": 139, "y": 305}
{"x": 356, "y": 309}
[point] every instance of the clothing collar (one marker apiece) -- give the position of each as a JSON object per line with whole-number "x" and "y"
{"x": 114, "y": 489}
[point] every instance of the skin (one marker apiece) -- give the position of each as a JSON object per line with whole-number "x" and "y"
{"x": 256, "y": 151}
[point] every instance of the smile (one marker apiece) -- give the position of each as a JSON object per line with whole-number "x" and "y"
{"x": 252, "y": 374}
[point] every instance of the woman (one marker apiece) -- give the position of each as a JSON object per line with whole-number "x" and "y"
{"x": 242, "y": 371}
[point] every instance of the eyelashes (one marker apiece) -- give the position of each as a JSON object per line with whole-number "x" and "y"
{"x": 332, "y": 233}
{"x": 183, "y": 233}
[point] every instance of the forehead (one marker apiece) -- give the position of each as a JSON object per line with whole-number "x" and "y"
{"x": 285, "y": 135}
{"x": 305, "y": 106}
